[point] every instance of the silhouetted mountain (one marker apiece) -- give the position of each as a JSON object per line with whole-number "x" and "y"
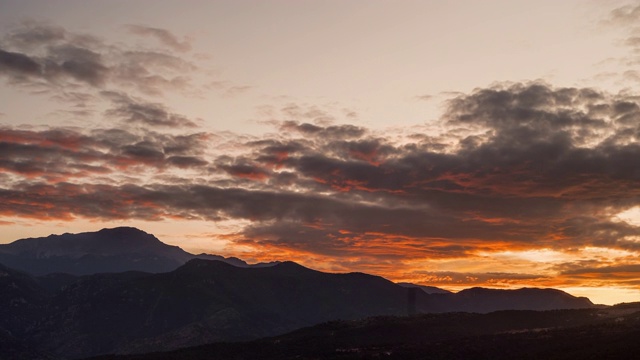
{"x": 108, "y": 250}
{"x": 559, "y": 334}
{"x": 207, "y": 301}
{"x": 482, "y": 300}
{"x": 426, "y": 289}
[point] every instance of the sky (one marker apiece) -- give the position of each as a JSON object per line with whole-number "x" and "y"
{"x": 452, "y": 144}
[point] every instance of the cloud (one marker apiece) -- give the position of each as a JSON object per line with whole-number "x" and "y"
{"x": 16, "y": 64}
{"x": 228, "y": 89}
{"x": 82, "y": 72}
{"x": 246, "y": 171}
{"x": 79, "y": 63}
{"x": 538, "y": 167}
{"x": 59, "y": 155}
{"x": 32, "y": 35}
{"x": 624, "y": 15}
{"x": 165, "y": 37}
{"x": 186, "y": 161}
{"x": 62, "y": 62}
{"x": 307, "y": 114}
{"x": 130, "y": 110}
{"x": 332, "y": 132}
{"x": 55, "y": 59}
{"x": 621, "y": 272}
{"x": 625, "y": 19}
{"x": 152, "y": 73}
{"x": 465, "y": 279}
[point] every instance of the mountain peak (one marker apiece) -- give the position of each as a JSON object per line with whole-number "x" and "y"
{"x": 525, "y": 298}
{"x": 108, "y": 241}
{"x": 291, "y": 266}
{"x": 107, "y": 250}
{"x": 126, "y": 234}
{"x": 123, "y": 230}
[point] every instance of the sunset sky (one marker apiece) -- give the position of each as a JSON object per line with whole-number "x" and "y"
{"x": 445, "y": 143}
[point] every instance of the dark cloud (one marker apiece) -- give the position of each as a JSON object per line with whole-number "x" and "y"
{"x": 554, "y": 138}
{"x": 60, "y": 154}
{"x": 16, "y": 64}
{"x": 246, "y": 171}
{"x": 63, "y": 62}
{"x": 79, "y": 63}
{"x": 186, "y": 161}
{"x": 329, "y": 132}
{"x": 547, "y": 169}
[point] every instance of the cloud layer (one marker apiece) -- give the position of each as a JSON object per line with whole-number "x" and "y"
{"x": 524, "y": 166}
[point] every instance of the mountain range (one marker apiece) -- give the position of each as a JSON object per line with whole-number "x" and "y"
{"x": 108, "y": 250}
{"x": 199, "y": 301}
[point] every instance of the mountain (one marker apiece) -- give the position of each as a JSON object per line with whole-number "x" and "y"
{"x": 482, "y": 300}
{"x": 206, "y": 301}
{"x": 426, "y": 289}
{"x": 108, "y": 250}
{"x": 202, "y": 301}
{"x": 559, "y": 334}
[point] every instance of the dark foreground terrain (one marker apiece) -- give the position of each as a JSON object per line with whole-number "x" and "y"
{"x": 611, "y": 333}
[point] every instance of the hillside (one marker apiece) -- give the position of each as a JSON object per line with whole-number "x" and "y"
{"x": 560, "y": 334}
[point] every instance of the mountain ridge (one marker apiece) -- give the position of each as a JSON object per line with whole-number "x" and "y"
{"x": 107, "y": 250}
{"x": 206, "y": 301}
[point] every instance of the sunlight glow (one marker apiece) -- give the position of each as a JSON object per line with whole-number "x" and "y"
{"x": 604, "y": 295}
{"x": 537, "y": 255}
{"x": 630, "y": 216}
